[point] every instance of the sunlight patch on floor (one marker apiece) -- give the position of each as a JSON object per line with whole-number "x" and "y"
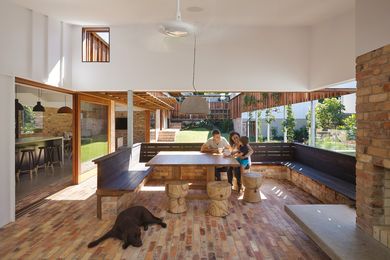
{"x": 82, "y": 191}
{"x": 153, "y": 188}
{"x": 262, "y": 196}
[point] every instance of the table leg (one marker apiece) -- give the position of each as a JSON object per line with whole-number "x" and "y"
{"x": 176, "y": 172}
{"x": 210, "y": 173}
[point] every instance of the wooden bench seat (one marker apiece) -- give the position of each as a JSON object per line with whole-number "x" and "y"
{"x": 120, "y": 173}
{"x": 345, "y": 188}
{"x": 128, "y": 181}
{"x": 326, "y": 168}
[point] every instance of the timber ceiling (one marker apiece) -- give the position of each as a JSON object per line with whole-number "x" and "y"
{"x": 145, "y": 100}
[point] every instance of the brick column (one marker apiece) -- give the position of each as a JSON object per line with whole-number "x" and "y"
{"x": 373, "y": 143}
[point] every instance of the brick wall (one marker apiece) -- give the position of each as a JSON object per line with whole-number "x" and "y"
{"x": 318, "y": 190}
{"x": 139, "y": 126}
{"x": 373, "y": 140}
{"x": 55, "y": 124}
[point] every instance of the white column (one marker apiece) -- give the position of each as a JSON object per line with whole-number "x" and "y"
{"x": 256, "y": 122}
{"x": 130, "y": 113}
{"x": 285, "y": 128}
{"x": 247, "y": 127}
{"x": 7, "y": 149}
{"x": 241, "y": 126}
{"x": 313, "y": 124}
{"x": 157, "y": 123}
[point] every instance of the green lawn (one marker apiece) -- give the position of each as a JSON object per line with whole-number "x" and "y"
{"x": 336, "y": 147}
{"x": 93, "y": 150}
{"x": 197, "y": 135}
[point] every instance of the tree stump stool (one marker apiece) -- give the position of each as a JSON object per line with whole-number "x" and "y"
{"x": 176, "y": 192}
{"x": 219, "y": 193}
{"x": 252, "y": 182}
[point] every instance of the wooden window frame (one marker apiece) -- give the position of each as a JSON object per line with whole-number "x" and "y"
{"x": 85, "y": 49}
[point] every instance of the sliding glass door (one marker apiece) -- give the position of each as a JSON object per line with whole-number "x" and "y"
{"x": 93, "y": 130}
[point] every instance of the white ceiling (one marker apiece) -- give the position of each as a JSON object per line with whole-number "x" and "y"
{"x": 216, "y": 12}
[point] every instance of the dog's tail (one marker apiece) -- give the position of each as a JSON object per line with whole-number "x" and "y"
{"x": 97, "y": 241}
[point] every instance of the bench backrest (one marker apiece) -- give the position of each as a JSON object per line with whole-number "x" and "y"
{"x": 149, "y": 150}
{"x": 272, "y": 152}
{"x": 339, "y": 165}
{"x": 111, "y": 166}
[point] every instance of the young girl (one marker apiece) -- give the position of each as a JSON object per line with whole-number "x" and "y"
{"x": 240, "y": 155}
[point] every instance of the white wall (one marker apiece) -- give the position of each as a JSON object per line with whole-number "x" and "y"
{"x": 7, "y": 148}
{"x": 228, "y": 58}
{"x": 34, "y": 46}
{"x": 15, "y": 38}
{"x": 349, "y": 101}
{"x": 332, "y": 51}
{"x": 372, "y": 25}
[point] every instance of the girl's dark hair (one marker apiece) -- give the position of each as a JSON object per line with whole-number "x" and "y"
{"x": 231, "y": 135}
{"x": 244, "y": 140}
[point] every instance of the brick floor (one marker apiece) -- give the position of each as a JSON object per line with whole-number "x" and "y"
{"x": 66, "y": 223}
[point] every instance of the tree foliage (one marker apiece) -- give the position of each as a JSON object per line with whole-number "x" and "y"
{"x": 289, "y": 123}
{"x": 349, "y": 124}
{"x": 269, "y": 117}
{"x": 330, "y": 113}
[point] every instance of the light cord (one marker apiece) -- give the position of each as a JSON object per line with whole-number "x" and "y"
{"x": 193, "y": 65}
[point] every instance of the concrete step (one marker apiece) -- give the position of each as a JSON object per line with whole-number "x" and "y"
{"x": 166, "y": 136}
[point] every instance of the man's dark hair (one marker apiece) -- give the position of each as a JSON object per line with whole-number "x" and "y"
{"x": 215, "y": 132}
{"x": 244, "y": 140}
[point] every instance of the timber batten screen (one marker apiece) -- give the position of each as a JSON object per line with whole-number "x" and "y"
{"x": 96, "y": 44}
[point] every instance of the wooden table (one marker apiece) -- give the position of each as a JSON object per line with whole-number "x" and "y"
{"x": 181, "y": 158}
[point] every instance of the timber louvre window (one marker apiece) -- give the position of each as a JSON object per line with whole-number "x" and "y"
{"x": 96, "y": 44}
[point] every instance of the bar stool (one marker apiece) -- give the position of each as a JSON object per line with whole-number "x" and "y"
{"x": 52, "y": 152}
{"x": 30, "y": 162}
{"x": 44, "y": 150}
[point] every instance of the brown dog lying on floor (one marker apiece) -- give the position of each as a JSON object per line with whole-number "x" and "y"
{"x": 127, "y": 226}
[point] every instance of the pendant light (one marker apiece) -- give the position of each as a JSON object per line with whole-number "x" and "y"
{"x": 65, "y": 109}
{"x": 177, "y": 28}
{"x": 38, "y": 107}
{"x": 18, "y": 106}
{"x": 194, "y": 104}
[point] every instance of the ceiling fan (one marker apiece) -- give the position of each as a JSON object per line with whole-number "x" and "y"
{"x": 177, "y": 28}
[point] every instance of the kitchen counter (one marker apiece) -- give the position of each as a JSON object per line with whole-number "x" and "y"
{"x": 36, "y": 139}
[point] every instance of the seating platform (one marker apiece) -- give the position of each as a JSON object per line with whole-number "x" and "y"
{"x": 333, "y": 228}
{"x": 336, "y": 184}
{"x": 120, "y": 176}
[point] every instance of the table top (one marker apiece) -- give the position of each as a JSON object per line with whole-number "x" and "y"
{"x": 36, "y": 139}
{"x": 184, "y": 158}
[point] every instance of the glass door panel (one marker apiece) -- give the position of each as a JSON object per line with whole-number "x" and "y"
{"x": 94, "y": 135}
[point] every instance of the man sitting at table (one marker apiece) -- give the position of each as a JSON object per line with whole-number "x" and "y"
{"x": 212, "y": 145}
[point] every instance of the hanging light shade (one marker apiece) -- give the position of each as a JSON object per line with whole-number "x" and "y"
{"x": 65, "y": 109}
{"x": 194, "y": 105}
{"x": 38, "y": 107}
{"x": 18, "y": 106}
